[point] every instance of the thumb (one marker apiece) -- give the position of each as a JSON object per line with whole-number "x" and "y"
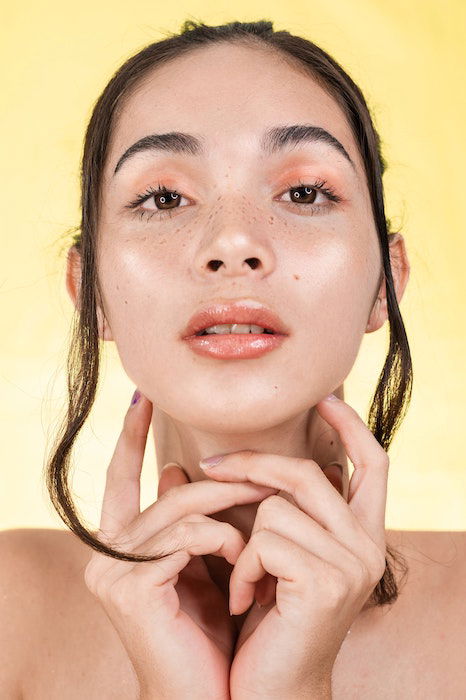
{"x": 171, "y": 475}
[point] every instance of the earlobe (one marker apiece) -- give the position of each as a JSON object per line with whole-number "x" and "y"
{"x": 73, "y": 286}
{"x": 400, "y": 268}
{"x": 73, "y": 276}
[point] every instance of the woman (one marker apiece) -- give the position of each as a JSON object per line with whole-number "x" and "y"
{"x": 232, "y": 185}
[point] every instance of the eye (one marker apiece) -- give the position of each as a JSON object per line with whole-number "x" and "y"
{"x": 163, "y": 199}
{"x": 306, "y": 195}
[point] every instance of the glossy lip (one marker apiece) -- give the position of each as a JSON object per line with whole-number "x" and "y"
{"x": 234, "y": 346}
{"x": 246, "y": 311}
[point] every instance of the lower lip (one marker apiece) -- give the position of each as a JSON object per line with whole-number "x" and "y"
{"x": 235, "y": 346}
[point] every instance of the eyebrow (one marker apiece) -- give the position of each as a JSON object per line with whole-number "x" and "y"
{"x": 273, "y": 140}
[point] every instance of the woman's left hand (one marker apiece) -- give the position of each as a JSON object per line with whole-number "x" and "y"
{"x": 327, "y": 555}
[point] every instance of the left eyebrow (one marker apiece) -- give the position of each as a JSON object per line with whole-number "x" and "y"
{"x": 273, "y": 140}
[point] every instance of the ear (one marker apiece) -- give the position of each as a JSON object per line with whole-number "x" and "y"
{"x": 73, "y": 285}
{"x": 400, "y": 272}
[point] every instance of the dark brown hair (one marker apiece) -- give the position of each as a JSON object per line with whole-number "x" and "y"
{"x": 393, "y": 392}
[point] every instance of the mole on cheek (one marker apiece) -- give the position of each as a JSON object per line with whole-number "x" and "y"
{"x": 297, "y": 277}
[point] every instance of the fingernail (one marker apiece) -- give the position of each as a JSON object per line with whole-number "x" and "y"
{"x": 169, "y": 464}
{"x": 336, "y": 465}
{"x": 331, "y": 397}
{"x": 211, "y": 461}
{"x": 136, "y": 397}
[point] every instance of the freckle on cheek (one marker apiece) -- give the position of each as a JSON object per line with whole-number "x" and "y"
{"x": 297, "y": 277}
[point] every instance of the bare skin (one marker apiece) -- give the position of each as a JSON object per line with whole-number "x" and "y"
{"x": 321, "y": 273}
{"x": 73, "y": 650}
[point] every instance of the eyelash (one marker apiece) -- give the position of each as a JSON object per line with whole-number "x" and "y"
{"x": 318, "y": 185}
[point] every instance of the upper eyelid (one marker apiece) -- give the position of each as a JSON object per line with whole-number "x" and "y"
{"x": 138, "y": 201}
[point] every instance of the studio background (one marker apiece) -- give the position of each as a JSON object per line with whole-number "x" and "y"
{"x": 409, "y": 60}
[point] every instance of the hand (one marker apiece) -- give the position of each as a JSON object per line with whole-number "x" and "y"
{"x": 327, "y": 554}
{"x": 171, "y": 618}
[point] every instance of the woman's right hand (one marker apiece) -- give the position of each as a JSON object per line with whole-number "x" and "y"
{"x": 172, "y": 619}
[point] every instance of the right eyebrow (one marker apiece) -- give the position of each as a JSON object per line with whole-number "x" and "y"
{"x": 273, "y": 140}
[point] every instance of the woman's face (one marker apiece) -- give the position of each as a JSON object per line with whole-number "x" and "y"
{"x": 317, "y": 264}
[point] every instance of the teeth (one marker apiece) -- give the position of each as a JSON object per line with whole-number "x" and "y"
{"x": 234, "y": 328}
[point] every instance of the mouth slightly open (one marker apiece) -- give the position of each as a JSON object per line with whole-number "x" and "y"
{"x": 231, "y": 346}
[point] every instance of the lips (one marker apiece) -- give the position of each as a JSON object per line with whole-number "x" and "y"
{"x": 244, "y": 311}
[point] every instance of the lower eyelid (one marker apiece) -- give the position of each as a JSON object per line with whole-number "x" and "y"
{"x": 307, "y": 208}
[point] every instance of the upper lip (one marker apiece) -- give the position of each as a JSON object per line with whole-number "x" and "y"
{"x": 247, "y": 311}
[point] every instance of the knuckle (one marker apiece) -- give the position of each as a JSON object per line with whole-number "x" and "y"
{"x": 269, "y": 504}
{"x": 267, "y": 510}
{"x": 232, "y": 533}
{"x": 377, "y": 569}
{"x": 183, "y": 532}
{"x": 362, "y": 575}
{"x": 336, "y": 589}
{"x": 258, "y": 536}
{"x": 117, "y": 595}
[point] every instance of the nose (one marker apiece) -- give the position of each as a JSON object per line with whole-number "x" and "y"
{"x": 235, "y": 253}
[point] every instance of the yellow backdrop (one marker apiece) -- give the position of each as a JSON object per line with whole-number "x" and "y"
{"x": 408, "y": 58}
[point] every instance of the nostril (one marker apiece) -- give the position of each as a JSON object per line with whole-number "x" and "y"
{"x": 214, "y": 264}
{"x": 254, "y": 262}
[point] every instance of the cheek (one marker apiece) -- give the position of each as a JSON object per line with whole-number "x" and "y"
{"x": 336, "y": 278}
{"x": 135, "y": 289}
{"x": 335, "y": 288}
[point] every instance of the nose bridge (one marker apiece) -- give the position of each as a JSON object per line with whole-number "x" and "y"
{"x": 235, "y": 240}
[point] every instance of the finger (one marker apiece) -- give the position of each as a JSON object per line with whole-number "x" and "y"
{"x": 275, "y": 514}
{"x": 121, "y": 500}
{"x": 195, "y": 535}
{"x": 326, "y": 444}
{"x": 334, "y": 473}
{"x": 367, "y": 496}
{"x": 297, "y": 572}
{"x": 364, "y": 566}
{"x": 303, "y": 480}
{"x": 204, "y": 496}
{"x": 171, "y": 475}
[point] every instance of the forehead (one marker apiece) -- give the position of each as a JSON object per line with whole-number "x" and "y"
{"x": 228, "y": 94}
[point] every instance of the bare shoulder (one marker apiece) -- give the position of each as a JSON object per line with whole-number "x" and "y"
{"x": 37, "y": 548}
{"x": 31, "y": 559}
{"x": 40, "y": 560}
{"x": 62, "y": 626}
{"x": 436, "y": 562}
{"x": 19, "y": 577}
{"x": 434, "y": 598}
{"x": 438, "y": 553}
{"x": 418, "y": 642}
